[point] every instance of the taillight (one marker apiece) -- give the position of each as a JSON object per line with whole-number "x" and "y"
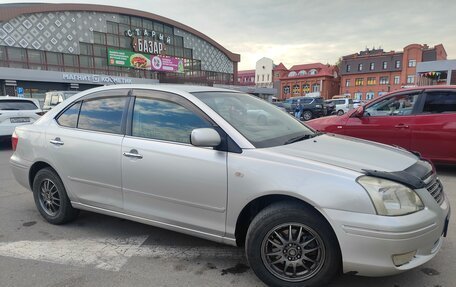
{"x": 14, "y": 140}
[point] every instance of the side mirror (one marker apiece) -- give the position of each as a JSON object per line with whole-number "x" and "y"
{"x": 359, "y": 112}
{"x": 205, "y": 137}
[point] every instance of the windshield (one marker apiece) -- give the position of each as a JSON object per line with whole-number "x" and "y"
{"x": 263, "y": 124}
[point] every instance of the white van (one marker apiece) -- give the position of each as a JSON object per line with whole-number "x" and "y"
{"x": 54, "y": 98}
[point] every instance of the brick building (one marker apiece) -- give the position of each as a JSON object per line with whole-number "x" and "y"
{"x": 246, "y": 78}
{"x": 371, "y": 73}
{"x": 300, "y": 80}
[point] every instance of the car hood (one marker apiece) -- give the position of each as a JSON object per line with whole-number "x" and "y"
{"x": 350, "y": 153}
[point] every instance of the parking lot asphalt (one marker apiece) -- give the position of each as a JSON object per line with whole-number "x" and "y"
{"x": 98, "y": 250}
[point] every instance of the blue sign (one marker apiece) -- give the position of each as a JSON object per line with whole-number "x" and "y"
{"x": 20, "y": 90}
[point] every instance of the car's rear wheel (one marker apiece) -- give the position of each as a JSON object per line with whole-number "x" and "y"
{"x": 51, "y": 198}
{"x": 290, "y": 245}
{"x": 307, "y": 115}
{"x": 340, "y": 112}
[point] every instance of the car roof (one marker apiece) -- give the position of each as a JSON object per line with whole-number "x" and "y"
{"x": 17, "y": 98}
{"x": 166, "y": 88}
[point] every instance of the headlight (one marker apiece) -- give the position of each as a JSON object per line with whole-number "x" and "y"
{"x": 318, "y": 106}
{"x": 391, "y": 198}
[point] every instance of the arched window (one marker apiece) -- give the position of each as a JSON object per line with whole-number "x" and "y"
{"x": 313, "y": 72}
{"x": 302, "y": 73}
{"x": 286, "y": 89}
{"x": 315, "y": 88}
{"x": 292, "y": 74}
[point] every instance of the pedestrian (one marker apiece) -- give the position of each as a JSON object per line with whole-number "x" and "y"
{"x": 298, "y": 110}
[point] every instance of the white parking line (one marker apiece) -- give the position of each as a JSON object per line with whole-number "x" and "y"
{"x": 105, "y": 253}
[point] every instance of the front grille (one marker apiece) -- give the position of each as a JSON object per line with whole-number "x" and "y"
{"x": 435, "y": 188}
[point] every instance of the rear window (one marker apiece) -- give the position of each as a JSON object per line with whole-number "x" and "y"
{"x": 17, "y": 105}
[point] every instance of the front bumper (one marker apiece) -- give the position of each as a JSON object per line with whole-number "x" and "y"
{"x": 368, "y": 242}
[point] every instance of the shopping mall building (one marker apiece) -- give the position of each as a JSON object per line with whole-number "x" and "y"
{"x": 46, "y": 47}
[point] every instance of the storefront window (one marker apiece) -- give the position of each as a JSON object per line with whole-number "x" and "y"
{"x": 36, "y": 56}
{"x": 170, "y": 51}
{"x": 315, "y": 88}
{"x": 16, "y": 54}
{"x": 99, "y": 38}
{"x": 124, "y": 42}
{"x": 135, "y": 21}
{"x": 178, "y": 52}
{"x": 188, "y": 53}
{"x": 55, "y": 68}
{"x": 70, "y": 60}
{"x": 147, "y": 24}
{"x": 99, "y": 51}
{"x": 158, "y": 27}
{"x": 2, "y": 53}
{"x": 37, "y": 67}
{"x": 86, "y": 62}
{"x": 112, "y": 40}
{"x": 123, "y": 28}
{"x": 100, "y": 63}
{"x": 112, "y": 28}
{"x": 306, "y": 88}
{"x": 18, "y": 65}
{"x": 85, "y": 48}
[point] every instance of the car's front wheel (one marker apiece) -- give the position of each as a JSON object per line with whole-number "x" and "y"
{"x": 307, "y": 115}
{"x": 290, "y": 245}
{"x": 51, "y": 198}
{"x": 340, "y": 112}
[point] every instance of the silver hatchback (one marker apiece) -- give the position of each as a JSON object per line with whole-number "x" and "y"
{"x": 232, "y": 168}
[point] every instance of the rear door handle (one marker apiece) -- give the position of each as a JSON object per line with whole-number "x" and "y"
{"x": 133, "y": 154}
{"x": 401, "y": 126}
{"x": 56, "y": 141}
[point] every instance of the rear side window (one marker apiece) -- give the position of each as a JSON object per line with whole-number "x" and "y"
{"x": 102, "y": 114}
{"x": 69, "y": 118}
{"x": 17, "y": 105}
{"x": 440, "y": 102}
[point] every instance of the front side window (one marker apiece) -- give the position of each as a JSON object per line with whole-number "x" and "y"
{"x": 440, "y": 102}
{"x": 258, "y": 121}
{"x": 69, "y": 118}
{"x": 400, "y": 105}
{"x": 102, "y": 114}
{"x": 164, "y": 120}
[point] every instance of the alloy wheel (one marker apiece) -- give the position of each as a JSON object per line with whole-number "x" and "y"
{"x": 49, "y": 197}
{"x": 293, "y": 252}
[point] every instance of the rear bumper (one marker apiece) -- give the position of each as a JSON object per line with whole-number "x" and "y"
{"x": 369, "y": 242}
{"x": 20, "y": 169}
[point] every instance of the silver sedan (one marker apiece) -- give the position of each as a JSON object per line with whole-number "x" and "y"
{"x": 193, "y": 159}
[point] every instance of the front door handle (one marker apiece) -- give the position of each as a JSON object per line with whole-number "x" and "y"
{"x": 401, "y": 126}
{"x": 133, "y": 154}
{"x": 56, "y": 141}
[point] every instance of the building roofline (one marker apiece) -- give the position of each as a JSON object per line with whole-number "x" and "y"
{"x": 10, "y": 11}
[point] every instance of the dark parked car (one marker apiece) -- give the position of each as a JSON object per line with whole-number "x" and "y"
{"x": 421, "y": 119}
{"x": 313, "y": 107}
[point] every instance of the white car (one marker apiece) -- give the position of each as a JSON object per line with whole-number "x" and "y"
{"x": 305, "y": 205}
{"x": 342, "y": 106}
{"x": 15, "y": 112}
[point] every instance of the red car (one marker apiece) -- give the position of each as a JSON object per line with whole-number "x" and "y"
{"x": 421, "y": 119}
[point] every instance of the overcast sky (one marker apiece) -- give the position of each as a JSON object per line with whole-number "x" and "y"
{"x": 307, "y": 31}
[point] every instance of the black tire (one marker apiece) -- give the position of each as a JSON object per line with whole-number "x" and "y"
{"x": 307, "y": 115}
{"x": 52, "y": 202}
{"x": 290, "y": 213}
{"x": 340, "y": 112}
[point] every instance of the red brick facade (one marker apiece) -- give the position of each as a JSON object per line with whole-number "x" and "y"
{"x": 370, "y": 73}
{"x": 300, "y": 80}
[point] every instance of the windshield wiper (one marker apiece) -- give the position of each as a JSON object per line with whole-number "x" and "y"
{"x": 302, "y": 137}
